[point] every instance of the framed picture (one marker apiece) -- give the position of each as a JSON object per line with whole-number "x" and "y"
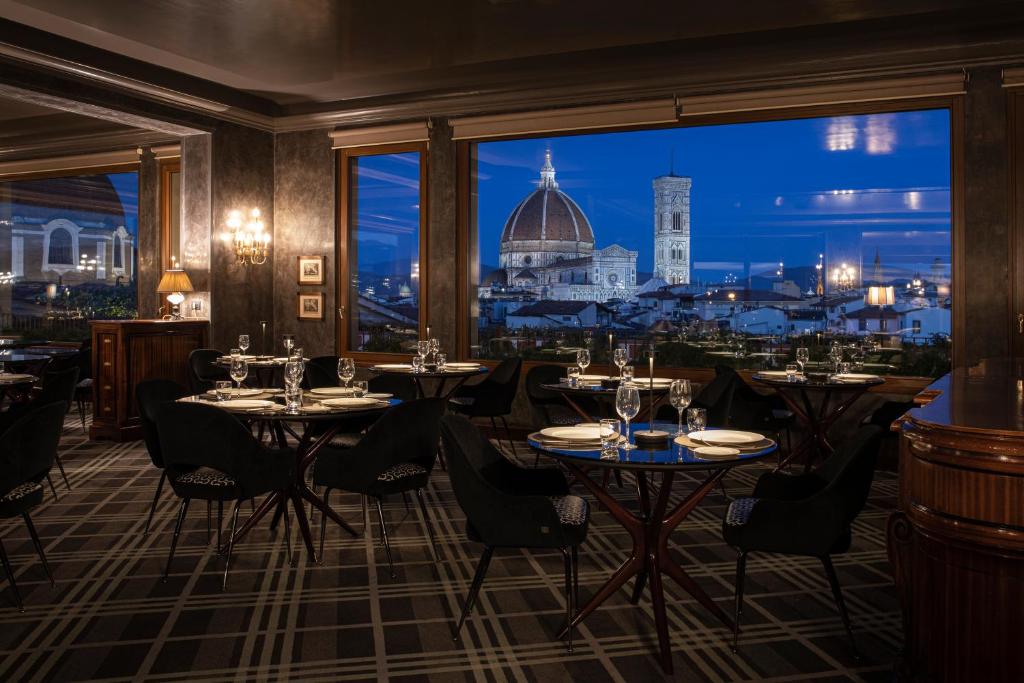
{"x": 311, "y": 270}
{"x": 311, "y": 306}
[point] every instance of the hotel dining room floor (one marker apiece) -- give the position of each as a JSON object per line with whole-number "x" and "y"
{"x": 110, "y": 617}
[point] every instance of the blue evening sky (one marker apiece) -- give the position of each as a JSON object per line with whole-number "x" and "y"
{"x": 127, "y": 187}
{"x": 762, "y": 192}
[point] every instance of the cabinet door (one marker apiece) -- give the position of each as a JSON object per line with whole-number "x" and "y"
{"x": 159, "y": 354}
{"x": 1016, "y": 123}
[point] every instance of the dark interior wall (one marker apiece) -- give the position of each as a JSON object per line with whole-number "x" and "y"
{"x": 304, "y": 225}
{"x": 148, "y": 273}
{"x": 241, "y": 178}
{"x": 442, "y": 237}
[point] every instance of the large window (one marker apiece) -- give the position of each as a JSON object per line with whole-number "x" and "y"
{"x": 68, "y": 249}
{"x": 382, "y": 249}
{"x": 728, "y": 244}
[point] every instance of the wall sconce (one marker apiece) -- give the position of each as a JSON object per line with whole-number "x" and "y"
{"x": 7, "y": 278}
{"x": 843, "y": 277}
{"x": 85, "y": 263}
{"x": 880, "y": 296}
{"x": 251, "y": 242}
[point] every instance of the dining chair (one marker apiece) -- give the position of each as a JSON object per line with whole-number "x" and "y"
{"x": 402, "y": 387}
{"x": 507, "y": 506}
{"x": 396, "y": 455}
{"x": 149, "y": 396}
{"x": 320, "y": 373}
{"x": 203, "y": 370}
{"x": 493, "y": 397}
{"x": 808, "y": 514}
{"x": 27, "y": 452}
{"x": 216, "y": 458}
{"x": 548, "y": 407}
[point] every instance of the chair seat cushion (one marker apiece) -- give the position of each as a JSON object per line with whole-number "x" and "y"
{"x": 461, "y": 403}
{"x": 572, "y": 510}
{"x": 206, "y": 483}
{"x": 401, "y": 471}
{"x": 345, "y": 440}
{"x": 20, "y": 491}
{"x": 21, "y": 498}
{"x": 85, "y": 383}
{"x": 739, "y": 511}
{"x": 205, "y": 476}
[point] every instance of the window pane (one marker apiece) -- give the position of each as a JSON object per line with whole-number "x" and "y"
{"x": 384, "y": 252}
{"x": 173, "y": 199}
{"x": 69, "y": 245}
{"x": 726, "y": 244}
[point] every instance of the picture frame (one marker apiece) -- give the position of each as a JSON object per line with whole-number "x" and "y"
{"x": 310, "y": 306}
{"x": 311, "y": 270}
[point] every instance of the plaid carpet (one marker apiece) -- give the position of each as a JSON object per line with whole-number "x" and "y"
{"x": 110, "y": 618}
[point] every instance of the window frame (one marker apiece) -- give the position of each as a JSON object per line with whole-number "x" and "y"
{"x": 954, "y": 104}
{"x": 166, "y": 168}
{"x": 341, "y": 241}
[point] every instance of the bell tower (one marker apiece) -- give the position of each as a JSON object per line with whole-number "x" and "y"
{"x": 672, "y": 228}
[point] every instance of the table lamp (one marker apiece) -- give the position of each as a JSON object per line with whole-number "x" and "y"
{"x": 880, "y": 296}
{"x": 173, "y": 283}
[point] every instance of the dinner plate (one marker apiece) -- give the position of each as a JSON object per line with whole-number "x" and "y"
{"x": 771, "y": 373}
{"x": 350, "y": 402}
{"x": 462, "y": 366}
{"x": 725, "y": 437}
{"x": 284, "y": 359}
{"x": 379, "y": 397}
{"x": 572, "y": 433}
{"x": 855, "y": 377}
{"x": 15, "y": 377}
{"x": 716, "y": 452}
{"x": 245, "y": 404}
{"x": 239, "y": 393}
{"x": 332, "y": 391}
{"x": 394, "y": 366}
{"x": 593, "y": 378}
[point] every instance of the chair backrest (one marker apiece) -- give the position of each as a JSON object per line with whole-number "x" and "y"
{"x": 203, "y": 372}
{"x": 850, "y": 470}
{"x": 407, "y": 432}
{"x": 29, "y": 446}
{"x": 498, "y": 390}
{"x": 539, "y": 375}
{"x": 58, "y": 385}
{"x": 317, "y": 376}
{"x": 716, "y": 396}
{"x": 400, "y": 386}
{"x": 149, "y": 395}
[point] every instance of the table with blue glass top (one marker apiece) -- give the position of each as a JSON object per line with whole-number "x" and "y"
{"x": 651, "y": 527}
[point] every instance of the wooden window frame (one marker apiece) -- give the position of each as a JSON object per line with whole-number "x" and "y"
{"x": 341, "y": 241}
{"x": 465, "y": 190}
{"x": 166, "y": 168}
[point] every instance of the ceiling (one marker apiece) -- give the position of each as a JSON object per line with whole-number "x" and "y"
{"x": 292, "y": 56}
{"x": 13, "y": 109}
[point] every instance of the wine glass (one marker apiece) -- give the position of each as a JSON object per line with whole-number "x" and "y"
{"x": 696, "y": 420}
{"x": 620, "y": 358}
{"x": 627, "y": 405}
{"x": 435, "y": 347}
{"x": 243, "y": 342}
{"x": 293, "y": 370}
{"x": 835, "y": 354}
{"x": 239, "y": 370}
{"x": 346, "y": 370}
{"x": 583, "y": 359}
{"x": 289, "y": 342}
{"x": 802, "y": 356}
{"x": 422, "y": 349}
{"x": 680, "y": 395}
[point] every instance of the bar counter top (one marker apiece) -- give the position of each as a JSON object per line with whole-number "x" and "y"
{"x": 975, "y": 400}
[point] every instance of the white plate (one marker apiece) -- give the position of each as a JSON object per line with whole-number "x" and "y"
{"x": 239, "y": 393}
{"x": 394, "y": 366}
{"x": 771, "y": 373}
{"x": 725, "y": 437}
{"x": 593, "y": 378}
{"x": 716, "y": 452}
{"x": 350, "y": 402}
{"x": 462, "y": 366}
{"x": 379, "y": 397}
{"x": 332, "y": 391}
{"x": 855, "y": 377}
{"x": 245, "y": 404}
{"x": 14, "y": 378}
{"x": 577, "y": 433}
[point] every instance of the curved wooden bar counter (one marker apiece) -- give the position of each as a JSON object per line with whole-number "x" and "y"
{"x": 957, "y": 541}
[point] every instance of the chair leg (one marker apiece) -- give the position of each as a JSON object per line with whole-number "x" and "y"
{"x": 209, "y": 520}
{"x": 508, "y": 435}
{"x": 494, "y": 430}
{"x": 837, "y": 593}
{"x": 741, "y": 570}
{"x": 60, "y": 466}
{"x": 10, "y": 577}
{"x": 474, "y": 588}
{"x": 426, "y": 523}
{"x": 384, "y": 535}
{"x": 575, "y": 576}
{"x": 220, "y": 521}
{"x": 49, "y": 480}
{"x": 156, "y": 497}
{"x": 39, "y": 547}
{"x": 366, "y": 515}
{"x": 567, "y": 558}
{"x": 323, "y": 523}
{"x": 288, "y": 536}
{"x": 405, "y": 499}
{"x": 81, "y": 414}
{"x": 177, "y": 532}
{"x": 231, "y": 545}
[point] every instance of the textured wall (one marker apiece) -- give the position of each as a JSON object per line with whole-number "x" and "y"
{"x": 195, "y": 220}
{"x": 148, "y": 273}
{"x": 304, "y": 225}
{"x": 242, "y": 177}
{"x": 442, "y": 244}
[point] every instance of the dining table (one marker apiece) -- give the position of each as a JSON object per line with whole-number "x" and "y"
{"x": 654, "y": 521}
{"x": 261, "y": 368}
{"x": 317, "y": 424}
{"x": 16, "y": 386}
{"x": 455, "y": 374}
{"x": 602, "y": 389}
{"x": 817, "y": 400}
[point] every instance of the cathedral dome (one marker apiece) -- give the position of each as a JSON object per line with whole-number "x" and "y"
{"x": 548, "y": 214}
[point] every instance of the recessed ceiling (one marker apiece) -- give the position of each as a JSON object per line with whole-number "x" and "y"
{"x": 14, "y": 109}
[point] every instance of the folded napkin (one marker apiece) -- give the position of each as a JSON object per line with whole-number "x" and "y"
{"x": 749, "y": 448}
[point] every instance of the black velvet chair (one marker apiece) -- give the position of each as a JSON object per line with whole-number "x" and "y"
{"x": 81, "y": 359}
{"x": 493, "y": 397}
{"x": 321, "y": 371}
{"x": 203, "y": 370}
{"x": 548, "y": 407}
{"x": 27, "y": 452}
{"x": 396, "y": 455}
{"x": 809, "y": 514}
{"x": 402, "y": 387}
{"x": 507, "y": 506}
{"x": 149, "y": 396}
{"x": 216, "y": 458}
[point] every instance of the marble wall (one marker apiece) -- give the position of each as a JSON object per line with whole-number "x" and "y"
{"x": 148, "y": 266}
{"x": 304, "y": 225}
{"x": 196, "y": 229}
{"x": 442, "y": 236}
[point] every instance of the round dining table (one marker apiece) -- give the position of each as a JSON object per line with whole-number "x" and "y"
{"x": 456, "y": 374}
{"x": 833, "y": 394}
{"x": 318, "y": 424}
{"x": 261, "y": 368}
{"x": 650, "y": 396}
{"x": 16, "y": 386}
{"x": 653, "y": 524}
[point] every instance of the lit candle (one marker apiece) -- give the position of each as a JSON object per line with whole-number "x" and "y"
{"x": 650, "y": 397}
{"x": 428, "y": 331}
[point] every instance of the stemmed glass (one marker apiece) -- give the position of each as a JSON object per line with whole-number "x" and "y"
{"x": 243, "y": 342}
{"x": 346, "y": 370}
{"x": 835, "y": 354}
{"x": 802, "y": 356}
{"x": 620, "y": 358}
{"x": 627, "y": 405}
{"x": 435, "y": 347}
{"x": 583, "y": 360}
{"x": 293, "y": 370}
{"x": 696, "y": 420}
{"x": 289, "y": 342}
{"x": 680, "y": 395}
{"x": 422, "y": 349}
{"x": 239, "y": 370}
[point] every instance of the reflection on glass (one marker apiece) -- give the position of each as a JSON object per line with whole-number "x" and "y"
{"x": 384, "y": 252}
{"x": 759, "y": 237}
{"x": 72, "y": 246}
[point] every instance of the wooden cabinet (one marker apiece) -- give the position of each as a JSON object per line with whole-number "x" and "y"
{"x": 126, "y": 352}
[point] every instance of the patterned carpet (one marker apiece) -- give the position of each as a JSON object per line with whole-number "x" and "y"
{"x": 110, "y": 618}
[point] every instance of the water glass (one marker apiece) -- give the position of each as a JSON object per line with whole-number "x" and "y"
{"x": 359, "y": 388}
{"x": 627, "y": 405}
{"x": 679, "y": 395}
{"x": 243, "y": 342}
{"x": 441, "y": 360}
{"x": 802, "y": 356}
{"x": 627, "y": 374}
{"x": 609, "y": 431}
{"x": 417, "y": 363}
{"x": 422, "y": 349}
{"x": 292, "y": 396}
{"x": 573, "y": 373}
{"x": 235, "y": 353}
{"x": 791, "y": 372}
{"x": 239, "y": 370}
{"x": 293, "y": 371}
{"x": 222, "y": 389}
{"x": 696, "y": 420}
{"x": 346, "y": 370}
{"x": 844, "y": 368}
{"x": 297, "y": 354}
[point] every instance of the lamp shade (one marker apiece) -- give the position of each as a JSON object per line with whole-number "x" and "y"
{"x": 174, "y": 280}
{"x": 880, "y": 296}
